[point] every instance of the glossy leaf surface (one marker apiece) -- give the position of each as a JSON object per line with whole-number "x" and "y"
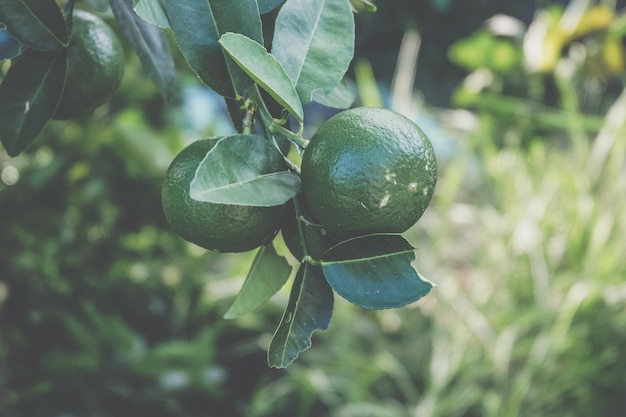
{"x": 38, "y": 24}
{"x": 198, "y": 25}
{"x": 341, "y": 97}
{"x": 264, "y": 69}
{"x": 29, "y": 96}
{"x": 152, "y": 12}
{"x": 150, "y": 44}
{"x": 314, "y": 41}
{"x": 309, "y": 308}
{"x": 375, "y": 271}
{"x": 238, "y": 170}
{"x": 267, "y": 275}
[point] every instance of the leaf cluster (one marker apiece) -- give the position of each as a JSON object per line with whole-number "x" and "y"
{"x": 265, "y": 80}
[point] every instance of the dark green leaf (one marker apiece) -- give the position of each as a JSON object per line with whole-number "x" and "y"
{"x": 266, "y": 6}
{"x": 238, "y": 171}
{"x": 198, "y": 25}
{"x": 9, "y": 46}
{"x": 299, "y": 228}
{"x": 150, "y": 44}
{"x": 264, "y": 69}
{"x": 152, "y": 12}
{"x": 375, "y": 271}
{"x": 268, "y": 274}
{"x": 38, "y": 24}
{"x": 196, "y": 33}
{"x": 314, "y": 41}
{"x": 310, "y": 307}
{"x": 29, "y": 96}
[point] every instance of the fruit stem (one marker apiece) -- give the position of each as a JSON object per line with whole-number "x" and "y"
{"x": 275, "y": 125}
{"x": 294, "y": 137}
{"x": 299, "y": 220}
{"x": 248, "y": 121}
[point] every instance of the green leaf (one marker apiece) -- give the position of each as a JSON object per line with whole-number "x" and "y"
{"x": 341, "y": 97}
{"x": 29, "y": 96}
{"x": 150, "y": 44}
{"x": 152, "y": 12}
{"x": 264, "y": 69}
{"x": 198, "y": 25}
{"x": 375, "y": 271}
{"x": 299, "y": 229}
{"x": 238, "y": 170}
{"x": 266, "y": 6}
{"x": 38, "y": 24}
{"x": 314, "y": 41}
{"x": 9, "y": 46}
{"x": 310, "y": 307}
{"x": 268, "y": 274}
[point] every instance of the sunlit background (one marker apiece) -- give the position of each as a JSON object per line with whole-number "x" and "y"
{"x": 105, "y": 312}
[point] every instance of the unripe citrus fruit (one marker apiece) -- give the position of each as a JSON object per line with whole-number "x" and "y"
{"x": 368, "y": 170}
{"x": 95, "y": 66}
{"x": 217, "y": 227}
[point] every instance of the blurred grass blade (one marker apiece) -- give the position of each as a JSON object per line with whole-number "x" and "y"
{"x": 268, "y": 274}
{"x": 309, "y": 308}
{"x": 29, "y": 96}
{"x": 38, "y": 24}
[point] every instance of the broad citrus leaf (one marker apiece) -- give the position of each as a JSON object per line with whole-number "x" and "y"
{"x": 150, "y": 44}
{"x": 152, "y": 12}
{"x": 38, "y": 24}
{"x": 264, "y": 69}
{"x": 310, "y": 307}
{"x": 233, "y": 172}
{"x": 267, "y": 275}
{"x": 29, "y": 96}
{"x": 314, "y": 41}
{"x": 198, "y": 25}
{"x": 375, "y": 271}
{"x": 341, "y": 97}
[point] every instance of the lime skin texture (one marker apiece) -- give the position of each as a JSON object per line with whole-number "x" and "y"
{"x": 217, "y": 227}
{"x": 368, "y": 170}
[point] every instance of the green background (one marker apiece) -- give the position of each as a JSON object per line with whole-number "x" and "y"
{"x": 105, "y": 312}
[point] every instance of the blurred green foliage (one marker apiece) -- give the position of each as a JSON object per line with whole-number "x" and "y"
{"x": 104, "y": 311}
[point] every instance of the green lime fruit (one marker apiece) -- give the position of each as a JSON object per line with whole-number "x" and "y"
{"x": 368, "y": 170}
{"x": 217, "y": 227}
{"x": 95, "y": 66}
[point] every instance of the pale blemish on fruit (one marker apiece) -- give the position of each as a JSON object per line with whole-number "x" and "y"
{"x": 385, "y": 200}
{"x": 391, "y": 177}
